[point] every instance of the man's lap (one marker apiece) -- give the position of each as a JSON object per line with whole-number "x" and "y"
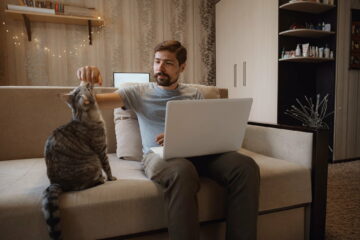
{"x": 217, "y": 166}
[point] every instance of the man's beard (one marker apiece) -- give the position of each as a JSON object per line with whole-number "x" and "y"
{"x": 165, "y": 82}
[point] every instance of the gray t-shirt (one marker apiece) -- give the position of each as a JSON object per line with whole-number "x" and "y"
{"x": 148, "y": 101}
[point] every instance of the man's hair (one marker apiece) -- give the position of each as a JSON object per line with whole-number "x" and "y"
{"x": 174, "y": 47}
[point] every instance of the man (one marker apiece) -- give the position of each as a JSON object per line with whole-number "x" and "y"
{"x": 179, "y": 177}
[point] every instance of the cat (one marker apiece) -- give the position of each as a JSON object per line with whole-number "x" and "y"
{"x": 75, "y": 154}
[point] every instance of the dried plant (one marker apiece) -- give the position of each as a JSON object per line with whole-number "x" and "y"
{"x": 310, "y": 114}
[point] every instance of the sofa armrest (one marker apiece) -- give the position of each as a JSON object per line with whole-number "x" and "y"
{"x": 282, "y": 142}
{"x": 305, "y": 146}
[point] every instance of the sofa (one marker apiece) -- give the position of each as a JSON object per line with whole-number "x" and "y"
{"x": 292, "y": 161}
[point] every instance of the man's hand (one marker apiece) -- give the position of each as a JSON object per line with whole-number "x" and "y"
{"x": 89, "y": 74}
{"x": 160, "y": 139}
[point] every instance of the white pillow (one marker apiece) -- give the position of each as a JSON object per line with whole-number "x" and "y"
{"x": 127, "y": 132}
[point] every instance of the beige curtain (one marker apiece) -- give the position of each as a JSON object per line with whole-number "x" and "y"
{"x": 125, "y": 43}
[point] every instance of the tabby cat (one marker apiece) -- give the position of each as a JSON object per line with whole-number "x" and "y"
{"x": 75, "y": 154}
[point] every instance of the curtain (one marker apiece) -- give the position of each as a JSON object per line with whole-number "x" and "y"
{"x": 124, "y": 43}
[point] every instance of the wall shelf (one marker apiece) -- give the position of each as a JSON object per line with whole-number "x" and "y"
{"x": 306, "y": 59}
{"x": 29, "y": 17}
{"x": 307, "y": 6}
{"x": 307, "y": 33}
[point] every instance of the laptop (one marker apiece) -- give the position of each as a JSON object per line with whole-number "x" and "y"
{"x": 204, "y": 127}
{"x": 125, "y": 77}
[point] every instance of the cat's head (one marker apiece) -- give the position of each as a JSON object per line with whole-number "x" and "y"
{"x": 81, "y": 98}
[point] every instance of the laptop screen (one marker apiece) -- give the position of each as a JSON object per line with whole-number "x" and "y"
{"x": 123, "y": 77}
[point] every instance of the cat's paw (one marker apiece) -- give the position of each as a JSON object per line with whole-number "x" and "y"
{"x": 112, "y": 178}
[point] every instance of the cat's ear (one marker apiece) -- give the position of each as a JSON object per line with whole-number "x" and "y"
{"x": 66, "y": 97}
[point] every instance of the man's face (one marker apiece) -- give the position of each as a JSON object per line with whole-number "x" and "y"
{"x": 166, "y": 68}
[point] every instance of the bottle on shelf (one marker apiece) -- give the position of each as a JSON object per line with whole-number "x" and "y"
{"x": 326, "y": 51}
{"x": 298, "y": 51}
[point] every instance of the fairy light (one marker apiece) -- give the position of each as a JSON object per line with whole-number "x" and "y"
{"x": 74, "y": 51}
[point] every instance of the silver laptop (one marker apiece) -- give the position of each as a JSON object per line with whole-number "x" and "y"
{"x": 203, "y": 127}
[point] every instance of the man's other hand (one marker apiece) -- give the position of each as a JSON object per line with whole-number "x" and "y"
{"x": 89, "y": 74}
{"x": 160, "y": 139}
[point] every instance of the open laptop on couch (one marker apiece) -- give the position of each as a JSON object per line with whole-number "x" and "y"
{"x": 203, "y": 127}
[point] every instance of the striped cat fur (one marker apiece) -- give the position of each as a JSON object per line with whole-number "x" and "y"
{"x": 75, "y": 154}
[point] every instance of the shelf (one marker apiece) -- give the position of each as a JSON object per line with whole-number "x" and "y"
{"x": 307, "y": 6}
{"x": 29, "y": 17}
{"x": 306, "y": 59}
{"x": 308, "y": 33}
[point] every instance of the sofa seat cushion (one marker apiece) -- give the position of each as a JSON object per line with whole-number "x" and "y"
{"x": 130, "y": 205}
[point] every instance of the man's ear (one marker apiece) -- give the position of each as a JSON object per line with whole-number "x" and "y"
{"x": 182, "y": 67}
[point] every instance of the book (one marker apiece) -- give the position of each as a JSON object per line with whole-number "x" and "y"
{"x": 79, "y": 11}
{"x": 30, "y": 9}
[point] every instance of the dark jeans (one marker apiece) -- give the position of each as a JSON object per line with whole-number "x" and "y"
{"x": 179, "y": 177}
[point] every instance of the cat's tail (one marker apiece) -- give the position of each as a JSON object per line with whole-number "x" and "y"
{"x": 51, "y": 211}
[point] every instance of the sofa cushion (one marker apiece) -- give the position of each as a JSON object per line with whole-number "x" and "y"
{"x": 127, "y": 132}
{"x": 128, "y": 138}
{"x": 131, "y": 204}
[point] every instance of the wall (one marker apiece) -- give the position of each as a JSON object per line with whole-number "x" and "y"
{"x": 125, "y": 43}
{"x": 347, "y": 102}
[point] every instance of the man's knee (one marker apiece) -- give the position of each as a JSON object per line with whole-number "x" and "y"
{"x": 183, "y": 171}
{"x": 246, "y": 165}
{"x": 178, "y": 173}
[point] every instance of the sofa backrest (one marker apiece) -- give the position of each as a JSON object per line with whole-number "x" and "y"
{"x": 29, "y": 115}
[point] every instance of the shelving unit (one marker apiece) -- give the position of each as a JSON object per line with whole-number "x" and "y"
{"x": 306, "y": 76}
{"x": 29, "y": 17}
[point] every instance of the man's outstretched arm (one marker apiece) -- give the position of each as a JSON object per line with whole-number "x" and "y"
{"x": 92, "y": 74}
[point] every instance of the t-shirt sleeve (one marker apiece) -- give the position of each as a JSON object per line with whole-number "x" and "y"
{"x": 130, "y": 96}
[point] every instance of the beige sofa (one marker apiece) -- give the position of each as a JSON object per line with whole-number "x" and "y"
{"x": 292, "y": 194}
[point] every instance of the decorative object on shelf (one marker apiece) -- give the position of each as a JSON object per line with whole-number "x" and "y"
{"x": 296, "y": 26}
{"x": 305, "y": 49}
{"x": 311, "y": 114}
{"x": 298, "y": 51}
{"x": 30, "y": 9}
{"x": 308, "y": 52}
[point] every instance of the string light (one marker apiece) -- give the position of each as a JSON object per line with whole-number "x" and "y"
{"x": 58, "y": 53}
